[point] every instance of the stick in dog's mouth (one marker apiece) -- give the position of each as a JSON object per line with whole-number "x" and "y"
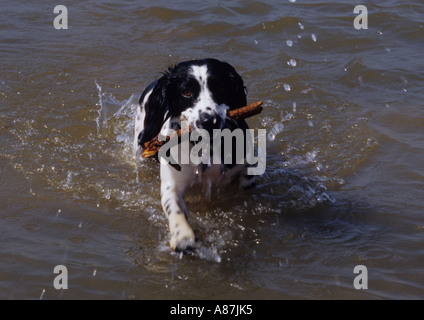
{"x": 152, "y": 147}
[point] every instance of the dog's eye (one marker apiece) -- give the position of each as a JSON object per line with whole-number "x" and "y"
{"x": 187, "y": 94}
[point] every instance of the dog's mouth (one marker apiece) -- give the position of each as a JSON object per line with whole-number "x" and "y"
{"x": 152, "y": 147}
{"x": 209, "y": 122}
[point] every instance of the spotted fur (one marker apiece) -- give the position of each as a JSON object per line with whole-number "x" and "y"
{"x": 201, "y": 91}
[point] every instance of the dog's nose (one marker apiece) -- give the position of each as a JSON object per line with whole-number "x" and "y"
{"x": 209, "y": 122}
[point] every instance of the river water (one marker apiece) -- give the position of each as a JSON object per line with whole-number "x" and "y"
{"x": 344, "y": 182}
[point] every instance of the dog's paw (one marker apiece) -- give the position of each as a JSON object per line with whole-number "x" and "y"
{"x": 183, "y": 241}
{"x": 187, "y": 247}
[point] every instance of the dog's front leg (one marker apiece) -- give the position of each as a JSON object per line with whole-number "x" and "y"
{"x": 173, "y": 187}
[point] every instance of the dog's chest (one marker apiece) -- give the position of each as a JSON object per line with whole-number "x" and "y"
{"x": 214, "y": 176}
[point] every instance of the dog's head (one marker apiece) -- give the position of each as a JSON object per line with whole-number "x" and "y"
{"x": 200, "y": 90}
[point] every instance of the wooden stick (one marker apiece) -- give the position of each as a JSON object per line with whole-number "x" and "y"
{"x": 152, "y": 147}
{"x": 246, "y": 112}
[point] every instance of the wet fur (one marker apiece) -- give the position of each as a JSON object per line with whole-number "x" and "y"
{"x": 202, "y": 91}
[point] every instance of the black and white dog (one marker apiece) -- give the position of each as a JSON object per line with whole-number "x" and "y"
{"x": 201, "y": 92}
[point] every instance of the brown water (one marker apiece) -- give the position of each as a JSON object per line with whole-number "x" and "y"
{"x": 344, "y": 184}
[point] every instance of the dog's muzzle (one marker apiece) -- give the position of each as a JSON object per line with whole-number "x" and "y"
{"x": 209, "y": 122}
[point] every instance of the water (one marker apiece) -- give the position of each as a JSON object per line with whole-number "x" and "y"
{"x": 343, "y": 109}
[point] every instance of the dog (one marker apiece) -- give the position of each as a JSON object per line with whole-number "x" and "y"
{"x": 201, "y": 92}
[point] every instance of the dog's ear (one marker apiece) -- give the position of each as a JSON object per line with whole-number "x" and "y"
{"x": 156, "y": 110}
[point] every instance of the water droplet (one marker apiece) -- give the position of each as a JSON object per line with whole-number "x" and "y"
{"x": 271, "y": 136}
{"x": 314, "y": 37}
{"x": 292, "y": 62}
{"x": 287, "y": 87}
{"x": 289, "y": 43}
{"x": 301, "y": 26}
{"x": 311, "y": 156}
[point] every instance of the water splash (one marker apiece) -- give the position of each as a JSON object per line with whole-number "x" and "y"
{"x": 100, "y": 104}
{"x": 276, "y": 129}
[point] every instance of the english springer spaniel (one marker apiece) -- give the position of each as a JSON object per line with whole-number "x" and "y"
{"x": 201, "y": 92}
